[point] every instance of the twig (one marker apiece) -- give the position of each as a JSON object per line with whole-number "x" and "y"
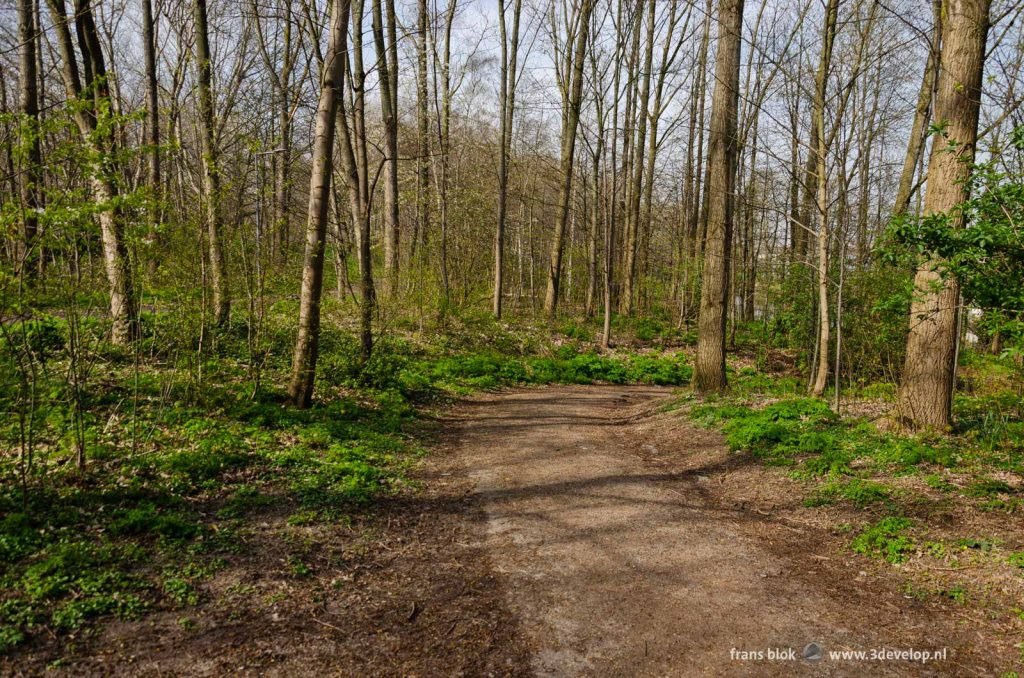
{"x": 330, "y": 626}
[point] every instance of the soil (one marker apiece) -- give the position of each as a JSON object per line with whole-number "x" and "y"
{"x": 565, "y": 530}
{"x": 635, "y": 544}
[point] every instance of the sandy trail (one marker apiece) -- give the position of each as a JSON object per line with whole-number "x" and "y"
{"x": 616, "y": 567}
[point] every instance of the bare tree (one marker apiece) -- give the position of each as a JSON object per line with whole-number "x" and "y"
{"x": 92, "y": 120}
{"x": 30, "y": 132}
{"x": 152, "y": 129}
{"x": 387, "y": 68}
{"x": 819, "y": 153}
{"x": 355, "y": 164}
{"x": 915, "y": 144}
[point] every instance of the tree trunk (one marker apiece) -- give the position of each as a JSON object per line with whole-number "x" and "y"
{"x": 709, "y": 372}
{"x": 307, "y": 341}
{"x": 821, "y": 193}
{"x": 570, "y": 122}
{"x": 506, "y": 107}
{"x": 152, "y": 134}
{"x": 211, "y": 169}
{"x": 388, "y": 74}
{"x": 636, "y": 183}
{"x": 96, "y": 135}
{"x": 915, "y": 145}
{"x": 30, "y": 132}
{"x": 926, "y": 385}
{"x": 355, "y": 164}
{"x": 422, "y": 134}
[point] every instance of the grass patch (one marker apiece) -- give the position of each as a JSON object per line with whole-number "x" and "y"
{"x": 885, "y": 539}
{"x": 861, "y": 493}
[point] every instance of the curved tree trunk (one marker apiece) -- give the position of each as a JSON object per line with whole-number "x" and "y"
{"x": 307, "y": 340}
{"x": 97, "y": 137}
{"x": 570, "y": 123}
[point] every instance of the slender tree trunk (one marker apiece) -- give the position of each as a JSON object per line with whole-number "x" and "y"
{"x": 211, "y": 168}
{"x": 821, "y": 176}
{"x": 926, "y": 385}
{"x": 709, "y": 372}
{"x": 506, "y": 108}
{"x": 152, "y": 135}
{"x": 636, "y": 183}
{"x": 444, "y": 140}
{"x": 31, "y": 181}
{"x": 388, "y": 74}
{"x": 307, "y": 340}
{"x": 353, "y": 143}
{"x": 90, "y": 118}
{"x": 696, "y": 242}
{"x": 570, "y": 124}
{"x": 422, "y": 134}
{"x": 915, "y": 144}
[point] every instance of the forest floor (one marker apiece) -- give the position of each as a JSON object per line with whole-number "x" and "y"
{"x": 560, "y": 530}
{"x": 633, "y": 543}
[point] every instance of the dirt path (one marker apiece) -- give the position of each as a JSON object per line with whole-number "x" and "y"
{"x": 623, "y": 555}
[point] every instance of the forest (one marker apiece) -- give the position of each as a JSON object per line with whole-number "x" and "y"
{"x": 344, "y": 336}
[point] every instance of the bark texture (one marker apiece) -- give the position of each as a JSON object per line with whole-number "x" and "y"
{"x": 709, "y": 371}
{"x": 927, "y": 382}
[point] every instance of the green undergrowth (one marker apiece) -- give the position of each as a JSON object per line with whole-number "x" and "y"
{"x": 848, "y": 461}
{"x": 187, "y": 446}
{"x": 805, "y": 435}
{"x": 142, "y": 531}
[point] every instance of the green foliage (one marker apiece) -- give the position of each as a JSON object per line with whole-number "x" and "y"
{"x": 885, "y": 539}
{"x": 1016, "y": 560}
{"x": 877, "y": 299}
{"x": 861, "y": 493}
{"x": 979, "y": 243}
{"x": 988, "y": 487}
{"x": 806, "y": 431}
{"x": 147, "y": 519}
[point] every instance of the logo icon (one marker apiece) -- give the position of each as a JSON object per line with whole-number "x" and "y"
{"x": 812, "y": 652}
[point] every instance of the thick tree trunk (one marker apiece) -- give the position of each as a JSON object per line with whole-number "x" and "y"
{"x": 211, "y": 169}
{"x": 927, "y": 383}
{"x": 709, "y": 372}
